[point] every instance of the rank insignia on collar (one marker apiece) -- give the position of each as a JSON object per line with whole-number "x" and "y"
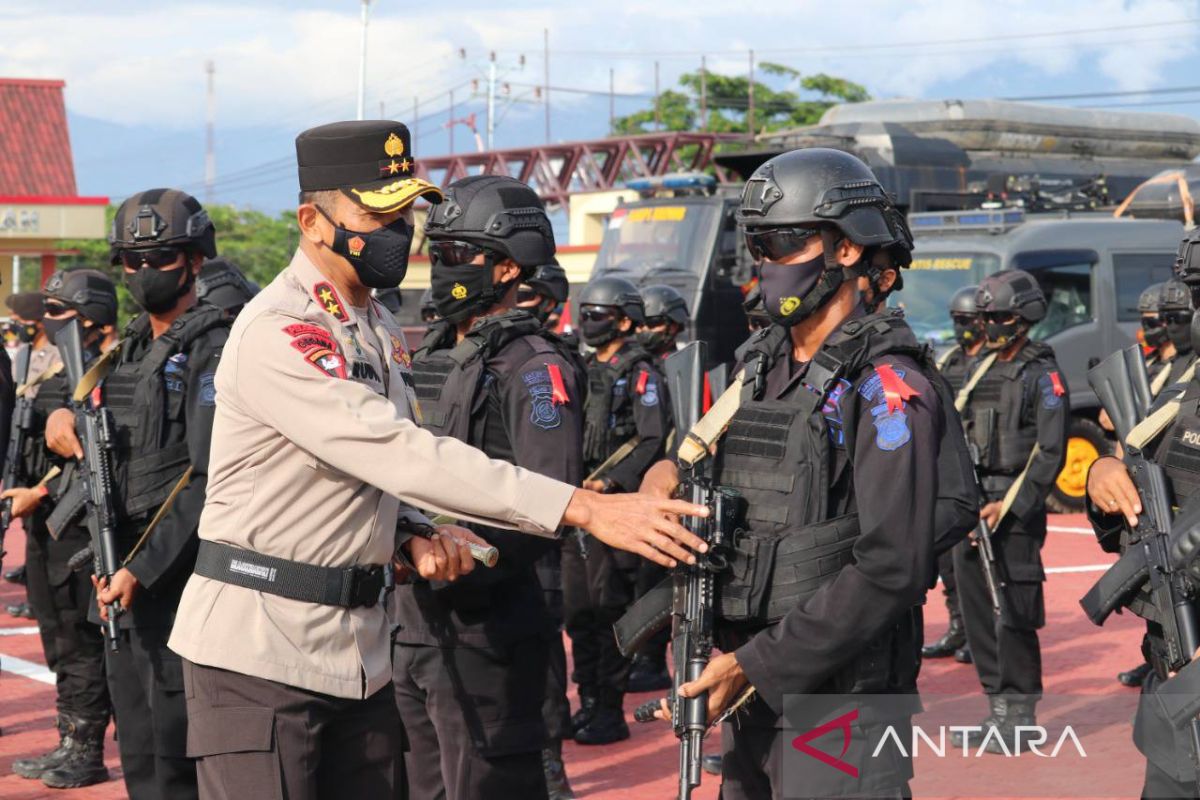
{"x": 328, "y": 298}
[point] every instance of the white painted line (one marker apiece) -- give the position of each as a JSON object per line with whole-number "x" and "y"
{"x": 1070, "y": 529}
{"x": 27, "y": 669}
{"x": 18, "y": 631}
{"x": 1087, "y": 568}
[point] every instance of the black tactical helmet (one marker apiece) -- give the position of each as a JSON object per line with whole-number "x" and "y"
{"x": 550, "y": 280}
{"x": 1174, "y": 296}
{"x": 496, "y": 212}
{"x": 88, "y": 291}
{"x": 664, "y": 301}
{"x": 616, "y": 292}
{"x": 223, "y": 285}
{"x": 963, "y": 301}
{"x": 817, "y": 185}
{"x": 1150, "y": 298}
{"x": 1011, "y": 290}
{"x": 1187, "y": 261}
{"x": 160, "y": 218}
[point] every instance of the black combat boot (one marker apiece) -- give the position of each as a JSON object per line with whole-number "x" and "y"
{"x": 711, "y": 763}
{"x": 607, "y": 725}
{"x": 954, "y": 638}
{"x": 84, "y": 764}
{"x": 587, "y": 709}
{"x": 1019, "y": 713}
{"x": 974, "y": 738}
{"x": 1135, "y": 676}
{"x": 963, "y": 654}
{"x": 649, "y": 672}
{"x": 21, "y": 610}
{"x": 35, "y": 767}
{"x": 16, "y": 576}
{"x": 557, "y": 785}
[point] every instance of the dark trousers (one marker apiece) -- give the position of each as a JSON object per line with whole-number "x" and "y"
{"x": 145, "y": 681}
{"x": 1160, "y": 784}
{"x": 74, "y": 647}
{"x": 556, "y": 709}
{"x": 473, "y": 719}
{"x": 1008, "y": 657}
{"x": 597, "y": 590}
{"x": 259, "y": 739}
{"x": 949, "y": 582}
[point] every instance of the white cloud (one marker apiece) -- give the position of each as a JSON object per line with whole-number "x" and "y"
{"x": 295, "y": 64}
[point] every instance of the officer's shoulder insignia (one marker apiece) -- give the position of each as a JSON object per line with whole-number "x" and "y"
{"x": 327, "y": 297}
{"x": 1051, "y": 386}
{"x": 544, "y": 411}
{"x": 891, "y": 428}
{"x": 318, "y": 348}
{"x": 208, "y": 389}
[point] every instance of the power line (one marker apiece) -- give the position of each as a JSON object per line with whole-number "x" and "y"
{"x": 1090, "y": 95}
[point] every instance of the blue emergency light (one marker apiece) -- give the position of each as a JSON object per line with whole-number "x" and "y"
{"x": 673, "y": 180}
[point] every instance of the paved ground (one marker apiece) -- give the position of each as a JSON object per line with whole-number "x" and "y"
{"x": 1080, "y": 660}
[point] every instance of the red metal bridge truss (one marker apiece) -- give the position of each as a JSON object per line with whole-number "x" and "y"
{"x": 558, "y": 170}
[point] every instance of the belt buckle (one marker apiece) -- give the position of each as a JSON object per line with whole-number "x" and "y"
{"x": 365, "y": 586}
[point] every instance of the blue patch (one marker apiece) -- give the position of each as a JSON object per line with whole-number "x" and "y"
{"x": 173, "y": 372}
{"x": 620, "y": 388}
{"x": 872, "y": 387}
{"x": 543, "y": 412}
{"x": 208, "y": 389}
{"x": 1049, "y": 398}
{"x": 832, "y": 412}
{"x": 650, "y": 396}
{"x": 891, "y": 428}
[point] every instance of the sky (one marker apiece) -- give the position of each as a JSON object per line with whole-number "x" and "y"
{"x": 135, "y": 72}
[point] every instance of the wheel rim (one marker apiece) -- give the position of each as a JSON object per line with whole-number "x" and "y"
{"x": 1072, "y": 481}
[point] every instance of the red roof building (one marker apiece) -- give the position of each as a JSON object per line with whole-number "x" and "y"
{"x": 39, "y": 205}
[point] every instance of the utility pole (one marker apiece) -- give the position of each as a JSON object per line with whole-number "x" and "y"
{"x": 416, "y": 120}
{"x": 492, "y": 76}
{"x": 451, "y": 127}
{"x": 362, "y": 62}
{"x": 491, "y": 99}
{"x": 612, "y": 106}
{"x": 750, "y": 108}
{"x": 210, "y": 154}
{"x": 703, "y": 94}
{"x": 657, "y": 113}
{"x": 382, "y": 110}
{"x": 546, "y": 77}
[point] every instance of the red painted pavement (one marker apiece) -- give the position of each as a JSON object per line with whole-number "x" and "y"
{"x": 1079, "y": 659}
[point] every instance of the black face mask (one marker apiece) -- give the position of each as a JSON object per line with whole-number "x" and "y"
{"x": 792, "y": 292}
{"x": 1180, "y": 334}
{"x": 26, "y": 333}
{"x": 657, "y": 342}
{"x": 598, "y": 332}
{"x": 1002, "y": 334}
{"x": 1156, "y": 336}
{"x": 380, "y": 257}
{"x": 53, "y": 326}
{"x": 157, "y": 290}
{"x": 465, "y": 289}
{"x": 966, "y": 334}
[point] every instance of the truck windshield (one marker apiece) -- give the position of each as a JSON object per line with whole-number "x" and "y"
{"x": 929, "y": 284}
{"x": 657, "y": 238}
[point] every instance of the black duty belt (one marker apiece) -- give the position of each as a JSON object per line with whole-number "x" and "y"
{"x": 349, "y": 587}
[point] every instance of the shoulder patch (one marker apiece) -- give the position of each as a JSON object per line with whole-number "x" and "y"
{"x": 895, "y": 390}
{"x": 872, "y": 388}
{"x": 208, "y": 389}
{"x": 543, "y": 410}
{"x": 318, "y": 348}
{"x": 327, "y": 297}
{"x": 400, "y": 352}
{"x": 891, "y": 428}
{"x": 1050, "y": 385}
{"x": 648, "y": 388}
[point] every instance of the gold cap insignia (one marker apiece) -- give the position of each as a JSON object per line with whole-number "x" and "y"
{"x": 459, "y": 291}
{"x": 394, "y": 146}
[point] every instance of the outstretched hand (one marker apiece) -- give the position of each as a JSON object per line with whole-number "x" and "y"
{"x": 639, "y": 523}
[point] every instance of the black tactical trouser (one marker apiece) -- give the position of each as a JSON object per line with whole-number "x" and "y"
{"x": 556, "y": 709}
{"x": 61, "y": 598}
{"x": 597, "y": 590}
{"x": 473, "y": 718}
{"x": 1008, "y": 657}
{"x": 1168, "y": 749}
{"x": 945, "y": 566}
{"x": 145, "y": 679}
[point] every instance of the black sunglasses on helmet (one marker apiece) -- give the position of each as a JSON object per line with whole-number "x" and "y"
{"x": 777, "y": 244}
{"x": 1150, "y": 323}
{"x": 1175, "y": 317}
{"x": 452, "y": 253}
{"x": 153, "y": 257}
{"x": 597, "y": 313}
{"x": 527, "y": 294}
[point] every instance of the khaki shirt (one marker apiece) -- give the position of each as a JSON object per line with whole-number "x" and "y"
{"x": 314, "y": 448}
{"x": 41, "y": 361}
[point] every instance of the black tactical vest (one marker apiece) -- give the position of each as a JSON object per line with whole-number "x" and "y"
{"x": 996, "y": 417}
{"x": 148, "y": 398}
{"x": 1179, "y": 452}
{"x": 608, "y": 410}
{"x": 956, "y": 367}
{"x": 447, "y": 376}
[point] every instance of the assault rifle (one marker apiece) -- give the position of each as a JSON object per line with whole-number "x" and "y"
{"x": 1144, "y": 579}
{"x": 18, "y": 432}
{"x": 96, "y": 471}
{"x": 692, "y": 586}
{"x": 993, "y": 575}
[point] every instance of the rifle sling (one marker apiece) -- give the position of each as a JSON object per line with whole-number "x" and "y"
{"x": 96, "y": 373}
{"x": 964, "y": 394}
{"x": 158, "y": 515}
{"x": 1146, "y": 430}
{"x": 619, "y": 455}
{"x": 695, "y": 444}
{"x": 1011, "y": 495}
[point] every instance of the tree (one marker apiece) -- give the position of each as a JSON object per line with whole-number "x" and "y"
{"x": 798, "y": 100}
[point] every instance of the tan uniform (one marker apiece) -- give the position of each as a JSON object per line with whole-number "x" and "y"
{"x": 314, "y": 448}
{"x": 40, "y": 361}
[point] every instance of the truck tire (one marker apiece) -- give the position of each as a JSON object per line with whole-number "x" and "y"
{"x": 1086, "y": 441}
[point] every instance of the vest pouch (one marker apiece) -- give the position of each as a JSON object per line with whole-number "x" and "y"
{"x": 808, "y": 559}
{"x": 149, "y": 478}
{"x": 983, "y": 434}
{"x": 742, "y": 588}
